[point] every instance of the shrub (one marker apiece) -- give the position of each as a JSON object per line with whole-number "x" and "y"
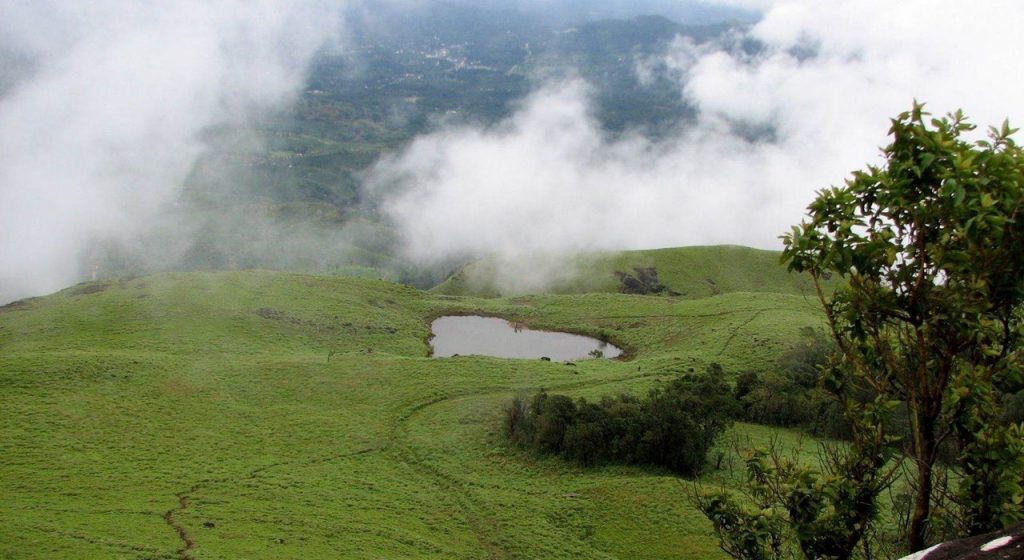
{"x": 673, "y": 427}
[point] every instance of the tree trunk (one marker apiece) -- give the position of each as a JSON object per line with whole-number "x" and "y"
{"x": 924, "y": 456}
{"x": 922, "y": 506}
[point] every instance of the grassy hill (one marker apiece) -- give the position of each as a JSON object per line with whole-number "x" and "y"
{"x": 272, "y": 415}
{"x": 692, "y": 272}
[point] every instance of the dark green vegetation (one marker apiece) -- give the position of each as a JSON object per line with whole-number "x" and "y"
{"x": 927, "y": 328}
{"x": 934, "y": 249}
{"x": 674, "y": 427}
{"x": 792, "y": 396}
{"x": 270, "y": 415}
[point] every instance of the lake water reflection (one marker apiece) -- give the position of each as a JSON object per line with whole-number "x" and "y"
{"x": 489, "y": 336}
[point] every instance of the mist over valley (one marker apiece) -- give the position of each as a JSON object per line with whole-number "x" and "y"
{"x": 508, "y": 278}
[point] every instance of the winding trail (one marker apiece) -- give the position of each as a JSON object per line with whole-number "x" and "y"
{"x": 452, "y": 483}
{"x": 185, "y": 552}
{"x": 188, "y": 541}
{"x": 737, "y": 330}
{"x": 401, "y": 450}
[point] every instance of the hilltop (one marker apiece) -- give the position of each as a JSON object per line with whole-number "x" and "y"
{"x": 687, "y": 272}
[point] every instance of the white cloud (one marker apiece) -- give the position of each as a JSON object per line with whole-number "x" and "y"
{"x": 756, "y": 5}
{"x": 830, "y": 77}
{"x": 548, "y": 181}
{"x": 101, "y": 119}
{"x": 105, "y": 123}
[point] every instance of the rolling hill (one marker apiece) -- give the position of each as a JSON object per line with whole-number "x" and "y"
{"x": 272, "y": 415}
{"x": 690, "y": 272}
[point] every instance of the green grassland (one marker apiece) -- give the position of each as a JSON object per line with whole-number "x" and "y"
{"x": 693, "y": 272}
{"x": 273, "y": 415}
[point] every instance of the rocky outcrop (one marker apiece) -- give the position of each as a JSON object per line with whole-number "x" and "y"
{"x": 645, "y": 282}
{"x": 1001, "y": 545}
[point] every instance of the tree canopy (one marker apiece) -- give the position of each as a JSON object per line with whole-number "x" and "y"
{"x": 929, "y": 321}
{"x": 931, "y": 244}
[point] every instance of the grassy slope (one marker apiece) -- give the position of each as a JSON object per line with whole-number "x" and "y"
{"x": 207, "y": 403}
{"x": 694, "y": 272}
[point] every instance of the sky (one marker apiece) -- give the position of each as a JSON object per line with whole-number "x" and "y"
{"x": 103, "y": 106}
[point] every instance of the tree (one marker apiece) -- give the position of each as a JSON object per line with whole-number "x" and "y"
{"x": 788, "y": 510}
{"x": 800, "y": 512}
{"x": 680, "y": 422}
{"x": 931, "y": 245}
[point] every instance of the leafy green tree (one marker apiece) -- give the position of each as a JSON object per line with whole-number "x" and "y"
{"x": 803, "y": 362}
{"x": 793, "y": 511}
{"x": 554, "y": 415}
{"x": 931, "y": 245}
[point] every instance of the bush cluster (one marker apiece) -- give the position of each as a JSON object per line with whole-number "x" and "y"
{"x": 790, "y": 397}
{"x": 676, "y": 425}
{"x": 673, "y": 427}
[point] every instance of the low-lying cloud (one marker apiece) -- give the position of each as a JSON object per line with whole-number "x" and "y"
{"x": 771, "y": 129}
{"x": 103, "y": 107}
